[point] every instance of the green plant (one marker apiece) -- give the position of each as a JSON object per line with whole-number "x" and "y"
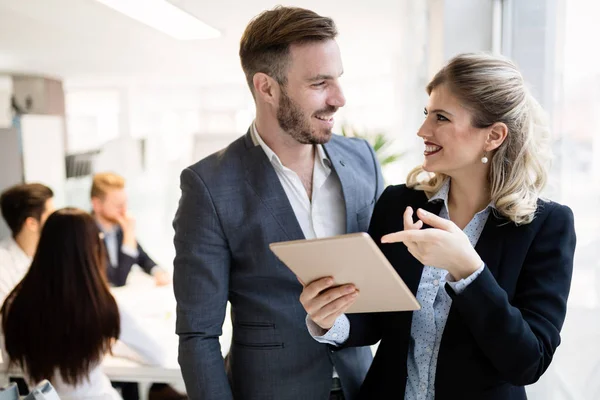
{"x": 380, "y": 143}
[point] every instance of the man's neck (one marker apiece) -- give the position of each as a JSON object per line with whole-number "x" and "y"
{"x": 27, "y": 242}
{"x": 294, "y": 155}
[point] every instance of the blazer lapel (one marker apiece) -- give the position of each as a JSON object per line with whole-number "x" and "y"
{"x": 263, "y": 179}
{"x": 491, "y": 242}
{"x": 343, "y": 170}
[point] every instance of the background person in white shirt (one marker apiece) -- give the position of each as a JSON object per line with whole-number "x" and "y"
{"x": 25, "y": 208}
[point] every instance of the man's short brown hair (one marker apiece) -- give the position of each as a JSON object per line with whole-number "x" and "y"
{"x": 22, "y": 201}
{"x": 266, "y": 41}
{"x": 105, "y": 182}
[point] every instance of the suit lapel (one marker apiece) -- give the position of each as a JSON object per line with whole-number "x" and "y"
{"x": 342, "y": 168}
{"x": 491, "y": 242}
{"x": 263, "y": 179}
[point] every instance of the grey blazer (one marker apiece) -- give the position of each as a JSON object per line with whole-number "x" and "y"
{"x": 232, "y": 206}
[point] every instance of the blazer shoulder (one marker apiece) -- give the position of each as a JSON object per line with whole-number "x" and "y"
{"x": 402, "y": 194}
{"x": 214, "y": 164}
{"x": 352, "y": 146}
{"x": 553, "y": 212}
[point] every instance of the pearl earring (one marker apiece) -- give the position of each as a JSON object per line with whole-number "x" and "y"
{"x": 484, "y": 159}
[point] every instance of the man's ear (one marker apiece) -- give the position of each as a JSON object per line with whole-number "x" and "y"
{"x": 266, "y": 88}
{"x": 96, "y": 204}
{"x": 31, "y": 224}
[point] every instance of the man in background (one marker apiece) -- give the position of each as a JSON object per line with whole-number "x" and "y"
{"x": 25, "y": 208}
{"x": 109, "y": 203}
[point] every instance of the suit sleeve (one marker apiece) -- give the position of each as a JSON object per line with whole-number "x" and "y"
{"x": 144, "y": 260}
{"x": 201, "y": 283}
{"x": 520, "y": 337}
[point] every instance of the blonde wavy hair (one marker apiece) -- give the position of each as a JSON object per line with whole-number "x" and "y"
{"x": 493, "y": 90}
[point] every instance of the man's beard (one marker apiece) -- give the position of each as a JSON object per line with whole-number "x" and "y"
{"x": 293, "y": 121}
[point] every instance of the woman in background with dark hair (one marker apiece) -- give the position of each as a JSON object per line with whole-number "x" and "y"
{"x": 61, "y": 319}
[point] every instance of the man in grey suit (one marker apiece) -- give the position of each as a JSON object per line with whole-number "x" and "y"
{"x": 288, "y": 178}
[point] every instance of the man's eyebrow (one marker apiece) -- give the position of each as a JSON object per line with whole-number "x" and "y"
{"x": 322, "y": 77}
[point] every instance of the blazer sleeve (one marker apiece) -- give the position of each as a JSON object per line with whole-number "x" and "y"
{"x": 144, "y": 260}
{"x": 201, "y": 284}
{"x": 520, "y": 337}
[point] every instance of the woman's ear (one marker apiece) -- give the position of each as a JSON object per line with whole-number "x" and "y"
{"x": 496, "y": 136}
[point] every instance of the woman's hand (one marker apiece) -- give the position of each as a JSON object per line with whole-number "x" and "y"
{"x": 444, "y": 246}
{"x": 324, "y": 303}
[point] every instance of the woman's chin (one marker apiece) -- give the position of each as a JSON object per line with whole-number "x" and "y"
{"x": 428, "y": 168}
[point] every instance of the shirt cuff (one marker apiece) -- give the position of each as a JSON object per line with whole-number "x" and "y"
{"x": 460, "y": 286}
{"x": 130, "y": 251}
{"x": 336, "y": 336}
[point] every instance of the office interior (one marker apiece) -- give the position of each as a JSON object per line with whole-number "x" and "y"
{"x": 85, "y": 88}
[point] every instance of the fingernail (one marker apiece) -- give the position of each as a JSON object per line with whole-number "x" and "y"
{"x": 329, "y": 281}
{"x": 349, "y": 289}
{"x": 422, "y": 211}
{"x": 354, "y": 294}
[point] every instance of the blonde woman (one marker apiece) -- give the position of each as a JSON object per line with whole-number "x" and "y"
{"x": 489, "y": 261}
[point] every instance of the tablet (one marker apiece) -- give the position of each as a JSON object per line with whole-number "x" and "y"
{"x": 352, "y": 258}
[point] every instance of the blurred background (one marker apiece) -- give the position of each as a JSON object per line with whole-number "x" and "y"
{"x": 85, "y": 87}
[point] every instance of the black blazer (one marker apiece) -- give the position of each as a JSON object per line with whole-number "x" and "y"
{"x": 502, "y": 331}
{"x": 117, "y": 276}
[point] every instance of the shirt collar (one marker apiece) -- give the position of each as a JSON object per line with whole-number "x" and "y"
{"x": 107, "y": 232}
{"x": 274, "y": 158}
{"x": 442, "y": 195}
{"x": 17, "y": 250}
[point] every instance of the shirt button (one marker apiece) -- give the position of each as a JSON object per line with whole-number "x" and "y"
{"x": 335, "y": 335}
{"x": 423, "y": 387}
{"x": 436, "y": 282}
{"x": 428, "y": 350}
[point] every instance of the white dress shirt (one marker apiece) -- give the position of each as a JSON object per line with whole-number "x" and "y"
{"x": 14, "y": 264}
{"x": 325, "y": 215}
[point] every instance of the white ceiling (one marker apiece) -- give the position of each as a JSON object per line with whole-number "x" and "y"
{"x": 85, "y": 41}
